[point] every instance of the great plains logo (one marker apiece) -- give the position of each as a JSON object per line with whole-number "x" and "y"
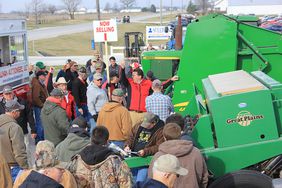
{"x": 244, "y": 118}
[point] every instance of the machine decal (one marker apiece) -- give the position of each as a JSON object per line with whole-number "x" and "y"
{"x": 244, "y": 118}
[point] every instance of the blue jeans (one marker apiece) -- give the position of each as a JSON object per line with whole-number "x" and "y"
{"x": 118, "y": 143}
{"x": 14, "y": 172}
{"x": 38, "y": 124}
{"x": 140, "y": 174}
{"x": 92, "y": 125}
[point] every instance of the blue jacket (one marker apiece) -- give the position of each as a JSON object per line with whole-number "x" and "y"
{"x": 150, "y": 183}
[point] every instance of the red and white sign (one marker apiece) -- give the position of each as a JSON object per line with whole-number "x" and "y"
{"x": 105, "y": 30}
{"x": 15, "y": 72}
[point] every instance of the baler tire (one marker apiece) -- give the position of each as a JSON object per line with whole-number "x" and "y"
{"x": 243, "y": 179}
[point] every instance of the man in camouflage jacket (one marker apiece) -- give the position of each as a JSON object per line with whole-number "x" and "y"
{"x": 97, "y": 166}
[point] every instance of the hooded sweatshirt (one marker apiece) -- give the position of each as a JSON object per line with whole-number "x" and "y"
{"x": 100, "y": 167}
{"x": 54, "y": 120}
{"x": 76, "y": 140}
{"x": 12, "y": 145}
{"x": 190, "y": 158}
{"x": 117, "y": 119}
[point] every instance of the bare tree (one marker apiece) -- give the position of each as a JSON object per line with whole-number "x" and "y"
{"x": 52, "y": 9}
{"x": 36, "y": 9}
{"x": 203, "y": 5}
{"x": 115, "y": 7}
{"x": 71, "y": 6}
{"x": 127, "y": 3}
{"x": 107, "y": 6}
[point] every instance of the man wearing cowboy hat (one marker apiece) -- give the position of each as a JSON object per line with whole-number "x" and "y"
{"x": 68, "y": 102}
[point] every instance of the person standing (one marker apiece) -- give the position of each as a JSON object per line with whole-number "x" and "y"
{"x": 54, "y": 118}
{"x": 114, "y": 67}
{"x": 24, "y": 120}
{"x": 77, "y": 139}
{"x": 96, "y": 98}
{"x": 166, "y": 170}
{"x": 71, "y": 74}
{"x": 68, "y": 102}
{"x": 138, "y": 89}
{"x": 158, "y": 103}
{"x": 12, "y": 145}
{"x": 79, "y": 88}
{"x": 119, "y": 125}
{"x": 99, "y": 166}
{"x": 189, "y": 156}
{"x": 62, "y": 72}
{"x": 39, "y": 96}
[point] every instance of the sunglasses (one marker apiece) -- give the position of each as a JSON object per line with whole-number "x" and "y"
{"x": 99, "y": 80}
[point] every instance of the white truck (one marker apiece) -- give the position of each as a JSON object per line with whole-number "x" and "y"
{"x": 14, "y": 55}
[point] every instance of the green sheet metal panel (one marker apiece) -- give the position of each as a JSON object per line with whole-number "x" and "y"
{"x": 210, "y": 48}
{"x": 243, "y": 118}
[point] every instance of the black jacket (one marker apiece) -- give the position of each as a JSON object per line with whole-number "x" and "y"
{"x": 79, "y": 92}
{"x": 26, "y": 115}
{"x": 37, "y": 180}
{"x": 70, "y": 77}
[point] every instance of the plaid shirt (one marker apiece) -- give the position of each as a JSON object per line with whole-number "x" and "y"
{"x": 160, "y": 105}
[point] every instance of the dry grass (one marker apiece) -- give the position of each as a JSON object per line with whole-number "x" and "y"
{"x": 80, "y": 43}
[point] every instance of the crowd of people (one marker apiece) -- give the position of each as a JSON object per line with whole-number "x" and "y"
{"x": 82, "y": 121}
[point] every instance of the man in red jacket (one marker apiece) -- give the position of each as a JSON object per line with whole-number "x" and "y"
{"x": 138, "y": 89}
{"x": 68, "y": 101}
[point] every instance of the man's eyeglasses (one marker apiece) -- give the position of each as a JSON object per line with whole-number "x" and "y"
{"x": 100, "y": 80}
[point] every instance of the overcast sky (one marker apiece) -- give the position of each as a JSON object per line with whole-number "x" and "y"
{"x": 10, "y": 5}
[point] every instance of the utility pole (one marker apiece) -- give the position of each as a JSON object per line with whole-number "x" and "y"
{"x": 171, "y": 9}
{"x": 161, "y": 11}
{"x": 99, "y": 18}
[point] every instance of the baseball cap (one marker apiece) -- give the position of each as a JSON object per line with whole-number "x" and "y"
{"x": 80, "y": 122}
{"x": 7, "y": 89}
{"x": 172, "y": 131}
{"x": 46, "y": 157}
{"x": 94, "y": 59}
{"x": 13, "y": 105}
{"x": 57, "y": 92}
{"x": 61, "y": 80}
{"x": 98, "y": 65}
{"x": 156, "y": 83}
{"x": 170, "y": 164}
{"x": 118, "y": 92}
{"x": 97, "y": 76}
{"x": 40, "y": 65}
{"x": 148, "y": 119}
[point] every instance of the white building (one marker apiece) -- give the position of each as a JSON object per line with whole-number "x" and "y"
{"x": 220, "y": 5}
{"x": 257, "y": 7}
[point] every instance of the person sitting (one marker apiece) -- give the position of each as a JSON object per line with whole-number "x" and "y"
{"x": 99, "y": 166}
{"x": 145, "y": 139}
{"x": 77, "y": 139}
{"x": 166, "y": 170}
{"x": 189, "y": 156}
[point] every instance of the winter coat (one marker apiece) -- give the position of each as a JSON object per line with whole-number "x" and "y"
{"x": 39, "y": 93}
{"x": 150, "y": 183}
{"x": 79, "y": 88}
{"x": 12, "y": 145}
{"x": 76, "y": 141}
{"x": 114, "y": 69}
{"x": 36, "y": 180}
{"x": 154, "y": 141}
{"x": 69, "y": 106}
{"x": 26, "y": 115}
{"x": 54, "y": 120}
{"x": 99, "y": 166}
{"x": 67, "y": 180}
{"x": 70, "y": 77}
{"x": 137, "y": 93}
{"x": 119, "y": 125}
{"x": 5, "y": 175}
{"x": 96, "y": 98}
{"x": 190, "y": 158}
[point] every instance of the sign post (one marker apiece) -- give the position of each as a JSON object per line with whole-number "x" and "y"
{"x": 104, "y": 31}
